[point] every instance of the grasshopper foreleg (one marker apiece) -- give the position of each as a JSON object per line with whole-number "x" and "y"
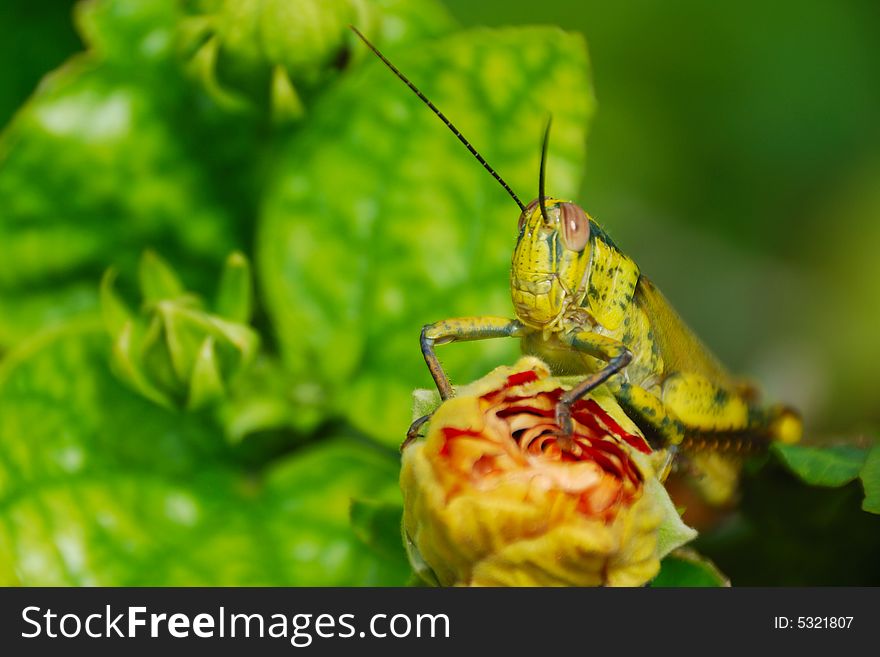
{"x": 462, "y": 329}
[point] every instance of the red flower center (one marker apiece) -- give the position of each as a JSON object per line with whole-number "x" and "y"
{"x": 520, "y": 441}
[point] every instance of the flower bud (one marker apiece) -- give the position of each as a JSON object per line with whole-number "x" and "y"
{"x": 175, "y": 352}
{"x": 247, "y": 51}
{"x": 491, "y": 497}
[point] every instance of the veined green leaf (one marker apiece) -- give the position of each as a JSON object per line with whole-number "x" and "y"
{"x": 822, "y": 466}
{"x": 99, "y": 486}
{"x": 90, "y": 174}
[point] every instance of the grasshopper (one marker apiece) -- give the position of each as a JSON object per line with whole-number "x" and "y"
{"x": 585, "y": 308}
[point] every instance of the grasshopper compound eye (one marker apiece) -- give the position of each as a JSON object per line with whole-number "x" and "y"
{"x": 575, "y": 226}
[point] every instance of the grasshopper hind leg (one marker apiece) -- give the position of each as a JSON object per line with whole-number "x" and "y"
{"x": 691, "y": 407}
{"x": 710, "y": 427}
{"x": 708, "y": 409}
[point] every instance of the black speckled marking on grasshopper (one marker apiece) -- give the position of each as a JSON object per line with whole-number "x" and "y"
{"x": 585, "y": 308}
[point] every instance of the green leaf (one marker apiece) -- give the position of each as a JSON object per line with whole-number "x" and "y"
{"x": 686, "y": 568}
{"x": 403, "y": 22}
{"x": 378, "y": 524}
{"x": 870, "y": 475}
{"x": 90, "y": 173}
{"x": 822, "y": 466}
{"x": 836, "y": 466}
{"x": 380, "y": 222}
{"x": 100, "y": 487}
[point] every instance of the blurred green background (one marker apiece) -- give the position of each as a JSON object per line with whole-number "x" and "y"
{"x": 734, "y": 152}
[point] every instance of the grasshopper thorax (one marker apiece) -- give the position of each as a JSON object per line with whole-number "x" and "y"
{"x": 551, "y": 262}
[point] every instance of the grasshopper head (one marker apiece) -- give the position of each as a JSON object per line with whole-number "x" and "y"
{"x": 550, "y": 261}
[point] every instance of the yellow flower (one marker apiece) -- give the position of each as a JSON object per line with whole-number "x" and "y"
{"x": 491, "y": 499}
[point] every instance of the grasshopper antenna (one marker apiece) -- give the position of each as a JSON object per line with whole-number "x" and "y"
{"x": 542, "y": 175}
{"x": 441, "y": 116}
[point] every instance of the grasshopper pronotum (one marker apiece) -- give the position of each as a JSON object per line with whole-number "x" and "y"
{"x": 584, "y": 307}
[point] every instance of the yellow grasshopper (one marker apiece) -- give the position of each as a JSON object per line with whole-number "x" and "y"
{"x": 584, "y": 307}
